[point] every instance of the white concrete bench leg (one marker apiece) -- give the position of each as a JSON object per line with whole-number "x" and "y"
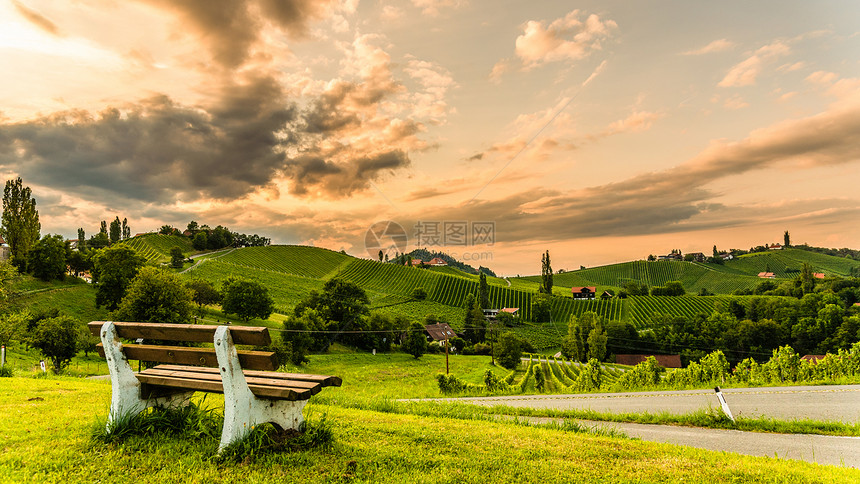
{"x": 242, "y": 409}
{"x": 125, "y": 388}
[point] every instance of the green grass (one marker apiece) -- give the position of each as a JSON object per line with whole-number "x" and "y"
{"x": 47, "y": 422}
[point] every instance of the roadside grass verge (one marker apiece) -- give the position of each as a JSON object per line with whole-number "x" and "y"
{"x": 48, "y": 440}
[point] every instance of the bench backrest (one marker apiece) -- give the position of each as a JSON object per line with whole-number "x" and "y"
{"x": 196, "y": 333}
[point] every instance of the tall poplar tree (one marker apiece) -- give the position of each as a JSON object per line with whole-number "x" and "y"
{"x": 483, "y": 291}
{"x": 20, "y": 225}
{"x": 545, "y": 274}
{"x": 115, "y": 231}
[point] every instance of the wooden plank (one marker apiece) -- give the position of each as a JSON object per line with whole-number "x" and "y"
{"x": 199, "y": 333}
{"x": 324, "y": 380}
{"x": 216, "y": 387}
{"x": 190, "y": 372}
{"x": 257, "y": 360}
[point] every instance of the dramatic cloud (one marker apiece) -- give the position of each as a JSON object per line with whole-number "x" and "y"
{"x": 568, "y": 38}
{"x": 746, "y": 72}
{"x": 231, "y": 28}
{"x": 37, "y": 19}
{"x": 678, "y": 199}
{"x": 157, "y": 150}
{"x": 715, "y": 46}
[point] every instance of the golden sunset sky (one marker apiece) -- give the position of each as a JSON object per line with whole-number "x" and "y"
{"x": 601, "y": 131}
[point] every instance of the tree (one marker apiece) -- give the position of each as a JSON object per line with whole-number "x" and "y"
{"x": 156, "y": 296}
{"x": 126, "y": 230}
{"x": 115, "y": 230}
{"x": 13, "y": 326}
{"x": 166, "y": 230}
{"x": 597, "y": 344}
{"x": 246, "y": 299}
{"x": 786, "y": 239}
{"x": 204, "y": 293}
{"x": 415, "y": 343}
{"x": 343, "y": 305}
{"x": 508, "y": 350}
{"x": 545, "y": 274}
{"x": 82, "y": 239}
{"x": 541, "y": 306}
{"x": 475, "y": 323}
{"x": 200, "y": 241}
{"x": 176, "y": 257}
{"x": 47, "y": 258}
{"x": 419, "y": 293}
{"x": 98, "y": 241}
{"x": 20, "y": 222}
{"x": 103, "y": 227}
{"x": 113, "y": 270}
{"x": 297, "y": 336}
{"x": 381, "y": 254}
{"x": 193, "y": 227}
{"x": 57, "y": 339}
{"x": 483, "y": 291}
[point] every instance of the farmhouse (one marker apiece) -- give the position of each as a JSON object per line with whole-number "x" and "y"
{"x": 511, "y": 311}
{"x": 774, "y": 247}
{"x": 585, "y": 292}
{"x": 767, "y": 275}
{"x": 818, "y": 275}
{"x": 439, "y": 331}
{"x": 437, "y": 262}
{"x": 697, "y": 256}
{"x": 666, "y": 361}
{"x": 417, "y": 262}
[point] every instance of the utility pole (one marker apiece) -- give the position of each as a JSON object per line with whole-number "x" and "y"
{"x": 446, "y": 356}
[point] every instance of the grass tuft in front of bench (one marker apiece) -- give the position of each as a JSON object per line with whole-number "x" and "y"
{"x": 253, "y": 393}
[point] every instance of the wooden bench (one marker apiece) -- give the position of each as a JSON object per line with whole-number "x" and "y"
{"x": 253, "y": 392}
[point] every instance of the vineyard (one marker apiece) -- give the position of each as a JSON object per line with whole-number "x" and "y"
{"x": 559, "y": 376}
{"x": 692, "y": 275}
{"x": 787, "y": 263}
{"x": 155, "y": 248}
{"x": 290, "y": 259}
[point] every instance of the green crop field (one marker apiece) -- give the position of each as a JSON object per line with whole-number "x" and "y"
{"x": 156, "y": 248}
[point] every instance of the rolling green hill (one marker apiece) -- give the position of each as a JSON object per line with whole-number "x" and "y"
{"x": 155, "y": 248}
{"x": 739, "y": 273}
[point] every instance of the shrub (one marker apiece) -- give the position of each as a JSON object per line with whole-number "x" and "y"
{"x": 6, "y": 371}
{"x": 509, "y": 350}
{"x": 57, "y": 339}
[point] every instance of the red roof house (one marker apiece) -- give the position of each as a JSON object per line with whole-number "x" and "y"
{"x": 585, "y": 292}
{"x": 437, "y": 261}
{"x": 767, "y": 275}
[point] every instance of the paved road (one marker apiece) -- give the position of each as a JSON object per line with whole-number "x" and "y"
{"x": 821, "y": 449}
{"x": 837, "y": 402}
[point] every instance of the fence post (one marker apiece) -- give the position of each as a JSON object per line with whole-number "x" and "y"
{"x": 2, "y": 356}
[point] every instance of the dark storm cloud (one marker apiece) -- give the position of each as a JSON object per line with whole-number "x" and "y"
{"x": 37, "y": 19}
{"x": 157, "y": 150}
{"x": 336, "y": 179}
{"x": 230, "y": 28}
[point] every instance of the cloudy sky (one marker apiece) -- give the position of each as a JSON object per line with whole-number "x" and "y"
{"x": 602, "y": 131}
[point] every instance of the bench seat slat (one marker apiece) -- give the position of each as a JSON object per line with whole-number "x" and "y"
{"x": 190, "y": 373}
{"x": 324, "y": 380}
{"x": 257, "y": 360}
{"x": 199, "y": 333}
{"x": 263, "y": 391}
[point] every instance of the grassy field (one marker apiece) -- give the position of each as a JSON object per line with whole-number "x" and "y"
{"x": 46, "y": 423}
{"x": 155, "y": 248}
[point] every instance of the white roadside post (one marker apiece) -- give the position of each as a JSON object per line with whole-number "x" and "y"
{"x": 3, "y": 356}
{"x": 724, "y": 404}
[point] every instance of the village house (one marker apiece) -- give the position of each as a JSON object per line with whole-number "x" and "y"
{"x": 437, "y": 262}
{"x": 774, "y": 247}
{"x": 696, "y": 256}
{"x": 585, "y": 292}
{"x": 767, "y": 275}
{"x": 440, "y": 332}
